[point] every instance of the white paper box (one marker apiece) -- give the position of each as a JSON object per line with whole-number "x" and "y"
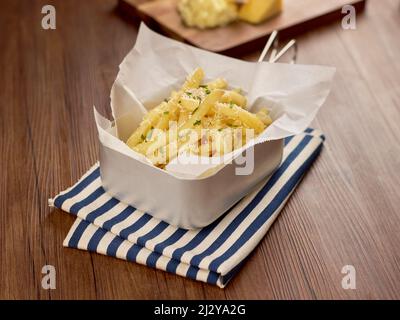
{"x": 181, "y": 195}
{"x": 181, "y": 202}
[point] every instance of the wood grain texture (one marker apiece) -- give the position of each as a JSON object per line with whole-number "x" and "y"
{"x": 296, "y": 16}
{"x": 345, "y": 211}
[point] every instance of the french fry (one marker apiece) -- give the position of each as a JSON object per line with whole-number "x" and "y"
{"x": 189, "y": 104}
{"x": 140, "y": 134}
{"x": 234, "y": 97}
{"x": 202, "y": 110}
{"x": 217, "y": 84}
{"x": 249, "y": 119}
{"x": 194, "y": 80}
{"x": 264, "y": 116}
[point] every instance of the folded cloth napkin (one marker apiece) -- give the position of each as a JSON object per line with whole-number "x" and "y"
{"x": 212, "y": 254}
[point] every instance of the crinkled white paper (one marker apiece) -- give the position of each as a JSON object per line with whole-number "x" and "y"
{"x": 157, "y": 65}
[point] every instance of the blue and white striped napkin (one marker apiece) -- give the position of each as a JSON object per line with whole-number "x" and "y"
{"x": 212, "y": 254}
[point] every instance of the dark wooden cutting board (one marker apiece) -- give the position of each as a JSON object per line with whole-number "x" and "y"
{"x": 296, "y": 17}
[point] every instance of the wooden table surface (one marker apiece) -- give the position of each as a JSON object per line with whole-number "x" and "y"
{"x": 345, "y": 212}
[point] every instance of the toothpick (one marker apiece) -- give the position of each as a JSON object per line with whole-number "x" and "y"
{"x": 273, "y": 55}
{"x": 283, "y": 51}
{"x": 268, "y": 45}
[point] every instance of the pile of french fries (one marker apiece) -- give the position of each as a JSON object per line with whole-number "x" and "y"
{"x": 206, "y": 120}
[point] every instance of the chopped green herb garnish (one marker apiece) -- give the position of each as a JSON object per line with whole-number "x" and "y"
{"x": 149, "y": 135}
{"x": 188, "y": 94}
{"x": 180, "y": 101}
{"x": 204, "y": 86}
{"x": 197, "y": 123}
{"x": 220, "y": 129}
{"x": 231, "y": 104}
{"x": 208, "y": 91}
{"x": 143, "y": 137}
{"x": 195, "y": 110}
{"x": 166, "y": 112}
{"x": 166, "y": 100}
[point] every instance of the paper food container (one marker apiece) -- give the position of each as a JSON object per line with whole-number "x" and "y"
{"x": 192, "y": 195}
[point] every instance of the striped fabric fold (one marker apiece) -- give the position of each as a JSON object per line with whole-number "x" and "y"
{"x": 213, "y": 254}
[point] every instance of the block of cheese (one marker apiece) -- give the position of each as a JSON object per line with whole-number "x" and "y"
{"x": 256, "y": 11}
